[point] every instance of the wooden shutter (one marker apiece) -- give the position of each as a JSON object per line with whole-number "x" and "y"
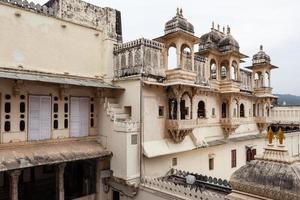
{"x": 233, "y": 158}
{"x": 84, "y": 116}
{"x": 39, "y": 126}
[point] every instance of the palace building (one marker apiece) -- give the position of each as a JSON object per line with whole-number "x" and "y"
{"x": 85, "y": 116}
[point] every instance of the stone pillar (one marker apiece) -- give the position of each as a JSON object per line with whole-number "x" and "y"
{"x": 178, "y": 108}
{"x": 14, "y": 180}
{"x": 178, "y": 55}
{"x": 60, "y": 181}
{"x": 193, "y": 58}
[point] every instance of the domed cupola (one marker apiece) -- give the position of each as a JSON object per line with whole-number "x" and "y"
{"x": 261, "y": 57}
{"x": 228, "y": 43}
{"x": 211, "y": 39}
{"x": 178, "y": 23}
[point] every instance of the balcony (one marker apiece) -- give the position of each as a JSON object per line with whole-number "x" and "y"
{"x": 229, "y": 125}
{"x": 260, "y": 91}
{"x": 229, "y": 86}
{"x": 262, "y": 123}
{"x": 178, "y": 129}
{"x": 181, "y": 75}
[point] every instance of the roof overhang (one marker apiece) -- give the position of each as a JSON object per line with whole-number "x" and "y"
{"x": 64, "y": 79}
{"x": 261, "y": 65}
{"x": 178, "y": 34}
{"x": 218, "y": 53}
{"x": 37, "y": 154}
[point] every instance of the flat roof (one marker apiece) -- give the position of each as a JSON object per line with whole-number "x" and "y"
{"x": 27, "y": 75}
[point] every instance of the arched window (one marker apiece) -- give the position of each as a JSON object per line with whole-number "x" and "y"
{"x": 201, "y": 109}
{"x": 213, "y": 70}
{"x": 185, "y": 57}
{"x": 223, "y": 72}
{"x": 267, "y": 80}
{"x": 172, "y": 57}
{"x": 242, "y": 110}
{"x": 224, "y": 110}
{"x": 232, "y": 73}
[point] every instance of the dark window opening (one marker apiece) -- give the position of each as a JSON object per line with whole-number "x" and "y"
{"x": 7, "y": 107}
{"x": 7, "y": 126}
{"x": 242, "y": 110}
{"x": 116, "y": 195}
{"x": 55, "y": 124}
{"x": 22, "y": 97}
{"x": 92, "y": 108}
{"x": 22, "y": 116}
{"x": 183, "y": 110}
{"x": 55, "y": 107}
{"x": 66, "y": 98}
{"x": 174, "y": 162}
{"x": 172, "y": 109}
{"x": 233, "y": 158}
{"x": 22, "y": 107}
{"x": 66, "y": 108}
{"x": 92, "y": 122}
{"x": 22, "y": 125}
{"x": 224, "y": 110}
{"x": 66, "y": 123}
{"x": 66, "y": 115}
{"x": 211, "y": 163}
{"x": 7, "y": 116}
{"x": 55, "y": 98}
{"x": 201, "y": 109}
{"x": 55, "y": 116}
{"x": 161, "y": 111}
{"x": 92, "y": 99}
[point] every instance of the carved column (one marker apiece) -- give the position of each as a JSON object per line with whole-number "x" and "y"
{"x": 178, "y": 108}
{"x": 193, "y": 58}
{"x": 60, "y": 170}
{"x": 178, "y": 55}
{"x": 14, "y": 180}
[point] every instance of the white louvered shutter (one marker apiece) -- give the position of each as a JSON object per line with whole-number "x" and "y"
{"x": 34, "y": 118}
{"x": 84, "y": 116}
{"x": 45, "y": 117}
{"x": 79, "y": 117}
{"x": 39, "y": 126}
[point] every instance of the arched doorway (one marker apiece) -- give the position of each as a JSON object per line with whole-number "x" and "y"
{"x": 224, "y": 110}
{"x": 201, "y": 109}
{"x": 242, "y": 110}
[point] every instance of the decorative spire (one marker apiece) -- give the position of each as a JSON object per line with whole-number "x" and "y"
{"x": 218, "y": 27}
{"x": 270, "y": 136}
{"x": 261, "y": 47}
{"x": 213, "y": 25}
{"x": 180, "y": 12}
{"x": 280, "y": 136}
{"x": 228, "y": 29}
{"x": 177, "y": 11}
{"x": 224, "y": 29}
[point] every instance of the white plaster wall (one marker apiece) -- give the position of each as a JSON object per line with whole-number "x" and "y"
{"x": 40, "y": 42}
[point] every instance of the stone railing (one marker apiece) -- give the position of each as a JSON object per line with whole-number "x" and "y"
{"x": 185, "y": 124}
{"x": 213, "y": 181}
{"x": 129, "y": 71}
{"x": 138, "y": 42}
{"x": 31, "y": 6}
{"x": 126, "y": 126}
{"x": 179, "y": 190}
{"x": 230, "y": 121}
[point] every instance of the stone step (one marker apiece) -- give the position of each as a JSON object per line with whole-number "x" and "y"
{"x": 122, "y": 116}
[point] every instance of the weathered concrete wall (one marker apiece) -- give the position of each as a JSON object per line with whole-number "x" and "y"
{"x": 107, "y": 20}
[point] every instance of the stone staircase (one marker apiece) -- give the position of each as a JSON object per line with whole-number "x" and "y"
{"x": 122, "y": 120}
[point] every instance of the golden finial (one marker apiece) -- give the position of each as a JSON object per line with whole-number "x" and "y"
{"x": 270, "y": 136}
{"x": 280, "y": 136}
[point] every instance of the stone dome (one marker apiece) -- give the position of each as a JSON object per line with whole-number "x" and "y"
{"x": 261, "y": 57}
{"x": 274, "y": 175}
{"x": 178, "y": 23}
{"x": 228, "y": 43}
{"x": 212, "y": 38}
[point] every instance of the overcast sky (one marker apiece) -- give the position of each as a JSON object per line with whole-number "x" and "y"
{"x": 272, "y": 23}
